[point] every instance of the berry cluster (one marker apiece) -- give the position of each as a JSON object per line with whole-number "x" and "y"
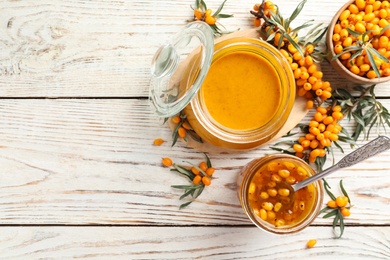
{"x": 322, "y": 130}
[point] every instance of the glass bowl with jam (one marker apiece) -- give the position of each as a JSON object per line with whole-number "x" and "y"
{"x": 268, "y": 204}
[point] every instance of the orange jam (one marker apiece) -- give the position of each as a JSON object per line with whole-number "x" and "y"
{"x": 270, "y": 200}
{"x": 242, "y": 91}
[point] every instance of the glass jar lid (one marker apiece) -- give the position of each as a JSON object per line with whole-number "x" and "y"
{"x": 180, "y": 67}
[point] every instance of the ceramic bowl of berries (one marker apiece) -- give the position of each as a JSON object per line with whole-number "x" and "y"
{"x": 358, "y": 41}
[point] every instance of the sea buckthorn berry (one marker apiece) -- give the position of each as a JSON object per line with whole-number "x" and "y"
{"x": 197, "y": 179}
{"x": 263, "y": 214}
{"x": 176, "y": 119}
{"x": 206, "y": 180}
{"x": 264, "y": 195}
{"x": 291, "y": 179}
{"x": 318, "y": 117}
{"x": 344, "y": 15}
{"x": 371, "y": 74}
{"x": 322, "y": 153}
{"x": 279, "y": 222}
{"x": 186, "y": 126}
{"x": 315, "y": 153}
{"x": 310, "y": 103}
{"x": 311, "y": 243}
{"x": 158, "y": 141}
{"x": 271, "y": 215}
{"x": 328, "y": 120}
{"x": 336, "y": 37}
{"x": 166, "y": 161}
{"x": 314, "y": 144}
{"x": 326, "y": 94}
{"x": 252, "y": 188}
{"x": 198, "y": 14}
{"x": 284, "y": 173}
{"x": 195, "y": 171}
{"x": 321, "y": 127}
{"x": 333, "y": 137}
{"x": 332, "y": 204}
{"x": 322, "y": 110}
{"x": 210, "y": 171}
{"x": 277, "y": 206}
{"x": 308, "y": 137}
{"x": 210, "y": 20}
{"x": 267, "y": 205}
{"x": 256, "y": 22}
{"x": 182, "y": 132}
{"x": 298, "y": 148}
{"x": 276, "y": 178}
{"x": 345, "y": 212}
{"x": 203, "y": 166}
{"x": 361, "y": 4}
{"x": 309, "y": 50}
{"x": 284, "y": 192}
{"x": 313, "y": 123}
{"x": 337, "y": 108}
{"x": 272, "y": 192}
{"x": 341, "y": 201}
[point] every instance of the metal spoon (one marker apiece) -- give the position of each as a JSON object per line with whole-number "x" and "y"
{"x": 376, "y": 146}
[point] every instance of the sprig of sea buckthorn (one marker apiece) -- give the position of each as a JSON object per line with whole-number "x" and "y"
{"x": 183, "y": 129}
{"x": 300, "y": 54}
{"x": 202, "y": 13}
{"x": 199, "y": 176}
{"x": 338, "y": 207}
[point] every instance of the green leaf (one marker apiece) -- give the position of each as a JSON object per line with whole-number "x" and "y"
{"x": 219, "y": 8}
{"x": 358, "y": 119}
{"x": 330, "y": 194}
{"x": 175, "y": 134}
{"x": 341, "y": 221}
{"x": 182, "y": 206}
{"x": 372, "y": 61}
{"x": 338, "y": 146}
{"x": 208, "y": 162}
{"x": 353, "y": 33}
{"x": 296, "y": 12}
{"x": 296, "y": 45}
{"x": 344, "y": 191}
{"x": 224, "y": 16}
{"x": 331, "y": 214}
{"x": 194, "y": 136}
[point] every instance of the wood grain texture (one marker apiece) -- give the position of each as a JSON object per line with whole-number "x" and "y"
{"x": 189, "y": 243}
{"x": 97, "y": 48}
{"x": 92, "y": 161}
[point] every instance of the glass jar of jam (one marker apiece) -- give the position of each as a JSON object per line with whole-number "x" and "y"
{"x": 267, "y": 202}
{"x": 236, "y": 96}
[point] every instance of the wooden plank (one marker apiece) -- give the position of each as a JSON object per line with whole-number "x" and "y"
{"x": 92, "y": 161}
{"x": 104, "y": 48}
{"x": 190, "y": 243}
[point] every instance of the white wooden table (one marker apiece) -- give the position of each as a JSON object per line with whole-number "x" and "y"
{"x": 80, "y": 177}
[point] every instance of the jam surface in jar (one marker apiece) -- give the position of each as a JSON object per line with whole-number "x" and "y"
{"x": 242, "y": 91}
{"x": 270, "y": 200}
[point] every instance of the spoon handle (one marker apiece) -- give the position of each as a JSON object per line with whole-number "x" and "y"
{"x": 378, "y": 145}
